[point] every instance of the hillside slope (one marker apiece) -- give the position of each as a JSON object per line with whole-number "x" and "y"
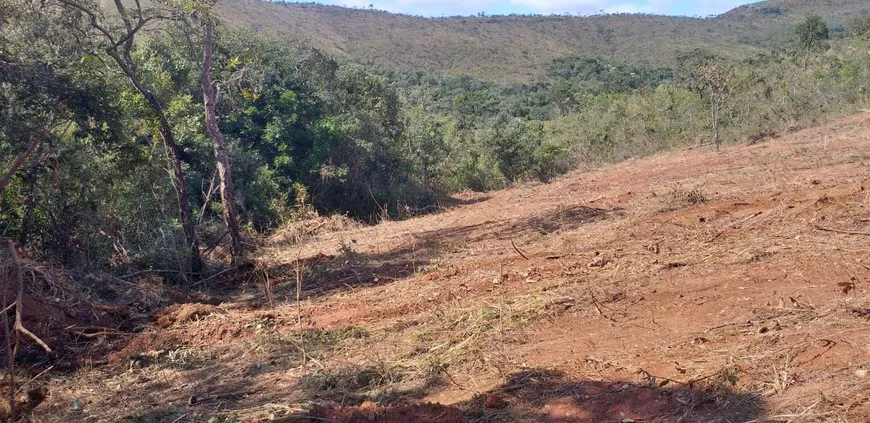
{"x": 515, "y": 48}
{"x": 691, "y": 287}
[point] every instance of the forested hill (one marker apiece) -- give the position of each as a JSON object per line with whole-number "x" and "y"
{"x": 516, "y": 48}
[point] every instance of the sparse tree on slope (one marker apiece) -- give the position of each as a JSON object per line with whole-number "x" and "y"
{"x": 718, "y": 78}
{"x": 812, "y": 35}
{"x": 201, "y": 12}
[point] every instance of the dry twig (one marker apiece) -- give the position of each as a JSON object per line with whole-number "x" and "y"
{"x": 518, "y": 250}
{"x": 19, "y": 308}
{"x": 840, "y": 231}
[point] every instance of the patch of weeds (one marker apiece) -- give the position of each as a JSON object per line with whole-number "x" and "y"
{"x": 179, "y": 359}
{"x": 760, "y": 256}
{"x": 311, "y": 342}
{"x": 357, "y": 384}
{"x": 347, "y": 253}
{"x": 333, "y": 337}
{"x": 434, "y": 263}
{"x": 459, "y": 337}
{"x": 679, "y": 198}
{"x": 691, "y": 197}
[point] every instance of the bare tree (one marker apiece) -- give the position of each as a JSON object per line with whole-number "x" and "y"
{"x": 718, "y": 78}
{"x": 118, "y": 44}
{"x": 222, "y": 159}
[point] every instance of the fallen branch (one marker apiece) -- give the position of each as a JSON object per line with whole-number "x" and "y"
{"x": 23, "y": 330}
{"x": 213, "y": 246}
{"x": 664, "y": 380}
{"x": 216, "y": 275}
{"x": 453, "y": 381}
{"x": 597, "y": 305}
{"x": 10, "y": 307}
{"x": 102, "y": 331}
{"x": 18, "y": 327}
{"x": 312, "y": 231}
{"x": 735, "y": 225}
{"x": 19, "y": 308}
{"x": 840, "y": 231}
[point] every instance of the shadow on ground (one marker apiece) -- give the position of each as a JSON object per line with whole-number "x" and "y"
{"x": 535, "y": 395}
{"x": 350, "y": 270}
{"x": 551, "y": 397}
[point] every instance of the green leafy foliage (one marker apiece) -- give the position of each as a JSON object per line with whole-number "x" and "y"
{"x": 306, "y": 131}
{"x": 812, "y": 35}
{"x": 858, "y": 27}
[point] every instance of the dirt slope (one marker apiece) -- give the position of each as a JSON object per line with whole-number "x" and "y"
{"x": 691, "y": 287}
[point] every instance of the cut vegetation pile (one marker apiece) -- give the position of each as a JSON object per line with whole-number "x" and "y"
{"x": 687, "y": 287}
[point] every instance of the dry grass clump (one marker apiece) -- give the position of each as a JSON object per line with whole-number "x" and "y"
{"x": 181, "y": 358}
{"x": 183, "y": 313}
{"x": 778, "y": 356}
{"x": 301, "y": 230}
{"x": 355, "y": 384}
{"x": 302, "y": 347}
{"x": 464, "y": 337}
{"x": 680, "y": 197}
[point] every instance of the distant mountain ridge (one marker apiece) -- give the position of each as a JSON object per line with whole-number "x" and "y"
{"x": 517, "y": 48}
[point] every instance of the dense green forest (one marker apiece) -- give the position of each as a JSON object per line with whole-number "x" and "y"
{"x": 108, "y": 160}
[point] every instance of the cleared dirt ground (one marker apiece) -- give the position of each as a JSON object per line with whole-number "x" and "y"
{"x": 686, "y": 287}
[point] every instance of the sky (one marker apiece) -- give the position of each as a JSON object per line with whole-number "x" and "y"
{"x": 505, "y": 7}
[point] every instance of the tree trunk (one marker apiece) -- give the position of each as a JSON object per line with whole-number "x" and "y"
{"x": 716, "y": 109}
{"x": 180, "y": 190}
{"x": 807, "y": 58}
{"x": 222, "y": 158}
{"x": 30, "y": 200}
{"x": 172, "y": 148}
{"x": 424, "y": 167}
{"x": 35, "y": 141}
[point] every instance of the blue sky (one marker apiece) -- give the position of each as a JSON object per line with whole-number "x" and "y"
{"x": 471, "y": 7}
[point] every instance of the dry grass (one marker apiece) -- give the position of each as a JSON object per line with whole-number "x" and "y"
{"x": 515, "y": 48}
{"x": 599, "y": 291}
{"x": 299, "y": 231}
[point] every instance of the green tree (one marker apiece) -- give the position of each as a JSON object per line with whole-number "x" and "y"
{"x": 425, "y": 135}
{"x": 812, "y": 35}
{"x": 689, "y": 69}
{"x": 118, "y": 44}
{"x": 45, "y": 85}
